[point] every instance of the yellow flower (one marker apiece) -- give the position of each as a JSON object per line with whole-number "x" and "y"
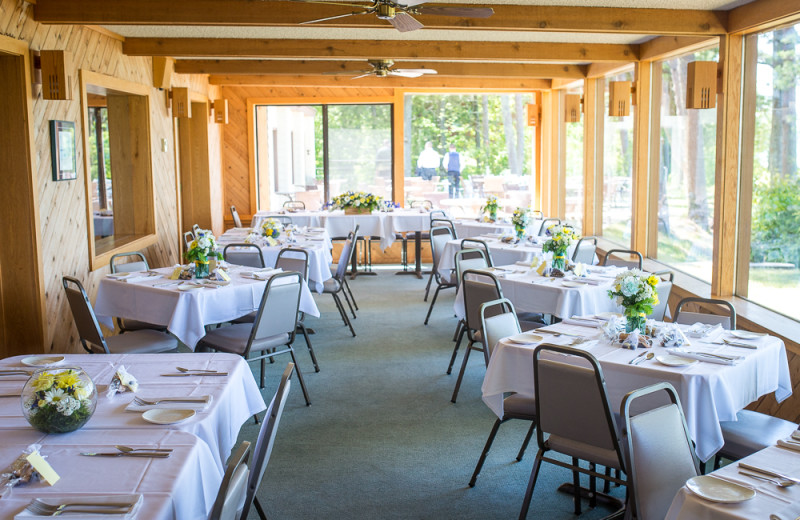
{"x": 44, "y": 381}
{"x": 67, "y": 379}
{"x": 653, "y": 280}
{"x": 655, "y": 298}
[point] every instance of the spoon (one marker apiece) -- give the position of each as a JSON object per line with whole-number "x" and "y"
{"x": 181, "y": 369}
{"x": 779, "y": 483}
{"x": 647, "y": 357}
{"x": 128, "y": 449}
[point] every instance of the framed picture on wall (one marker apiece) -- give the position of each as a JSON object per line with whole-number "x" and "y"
{"x": 62, "y": 150}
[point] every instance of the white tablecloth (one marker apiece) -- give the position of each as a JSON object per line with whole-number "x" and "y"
{"x": 709, "y": 393}
{"x": 502, "y": 254}
{"x": 175, "y": 488}
{"x": 318, "y": 247}
{"x": 530, "y": 292}
{"x": 688, "y": 506}
{"x": 466, "y": 228}
{"x": 235, "y": 398}
{"x": 185, "y": 313}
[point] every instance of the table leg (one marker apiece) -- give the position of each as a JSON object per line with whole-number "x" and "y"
{"x": 418, "y": 256}
{"x": 601, "y": 498}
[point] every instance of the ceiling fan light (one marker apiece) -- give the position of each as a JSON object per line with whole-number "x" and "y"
{"x": 386, "y": 12}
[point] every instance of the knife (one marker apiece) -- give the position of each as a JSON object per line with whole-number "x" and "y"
{"x": 742, "y": 345}
{"x": 151, "y": 454}
{"x": 204, "y": 374}
{"x": 768, "y": 472}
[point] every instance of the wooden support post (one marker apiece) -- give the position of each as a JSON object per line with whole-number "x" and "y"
{"x": 592, "y": 155}
{"x": 641, "y": 156}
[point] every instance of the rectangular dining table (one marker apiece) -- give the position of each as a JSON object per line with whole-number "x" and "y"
{"x": 234, "y": 398}
{"x": 709, "y": 392}
{"x": 179, "y": 487}
{"x": 185, "y": 313}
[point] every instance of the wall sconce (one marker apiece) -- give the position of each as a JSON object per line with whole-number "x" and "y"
{"x": 53, "y": 70}
{"x": 181, "y": 104}
{"x": 572, "y": 108}
{"x": 619, "y": 98}
{"x": 163, "y": 68}
{"x": 701, "y": 84}
{"x": 533, "y": 113}
{"x": 221, "y": 111}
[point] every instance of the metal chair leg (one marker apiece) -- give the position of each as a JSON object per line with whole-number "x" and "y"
{"x": 261, "y": 514}
{"x": 576, "y": 484}
{"x": 428, "y": 287}
{"x": 350, "y": 292}
{"x": 343, "y": 313}
{"x": 526, "y": 441}
{"x": 347, "y": 299}
{"x": 526, "y": 502}
{"x": 455, "y": 351}
{"x": 299, "y": 376}
{"x": 302, "y": 328}
{"x": 433, "y": 302}
{"x": 461, "y": 373}
{"x": 485, "y": 452}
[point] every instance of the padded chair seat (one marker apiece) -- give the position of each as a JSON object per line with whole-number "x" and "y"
{"x": 752, "y": 432}
{"x": 233, "y": 339}
{"x": 519, "y": 407}
{"x": 602, "y": 456}
{"x": 247, "y": 318}
{"x": 145, "y": 341}
{"x": 331, "y": 285}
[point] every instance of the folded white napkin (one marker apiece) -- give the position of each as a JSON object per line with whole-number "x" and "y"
{"x": 90, "y": 499}
{"x": 790, "y": 512}
{"x": 789, "y": 444}
{"x": 589, "y": 281}
{"x": 263, "y": 274}
{"x": 720, "y": 359}
{"x": 583, "y": 322}
{"x": 141, "y": 278}
{"x": 171, "y": 405}
{"x": 703, "y": 330}
{"x": 524, "y": 264}
{"x": 189, "y": 287}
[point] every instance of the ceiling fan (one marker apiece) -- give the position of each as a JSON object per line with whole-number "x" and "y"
{"x": 383, "y": 69}
{"x": 399, "y": 14}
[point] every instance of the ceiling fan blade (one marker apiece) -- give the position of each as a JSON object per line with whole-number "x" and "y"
{"x": 404, "y": 73}
{"x": 405, "y": 23}
{"x": 416, "y": 72}
{"x": 333, "y": 17}
{"x": 464, "y": 12}
{"x": 340, "y": 4}
{"x": 363, "y": 75}
{"x": 409, "y": 3}
{"x": 346, "y": 72}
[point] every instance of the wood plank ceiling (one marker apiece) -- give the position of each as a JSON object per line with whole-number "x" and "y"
{"x": 524, "y": 45}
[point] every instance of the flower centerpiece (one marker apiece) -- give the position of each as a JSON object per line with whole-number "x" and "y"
{"x": 636, "y": 292}
{"x": 561, "y": 237}
{"x": 490, "y": 208}
{"x": 202, "y": 248}
{"x": 520, "y": 221}
{"x": 271, "y": 228}
{"x": 354, "y": 202}
{"x": 58, "y": 400}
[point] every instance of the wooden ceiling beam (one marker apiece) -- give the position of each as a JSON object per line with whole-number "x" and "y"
{"x": 763, "y": 14}
{"x": 316, "y": 67}
{"x": 281, "y": 13}
{"x": 376, "y": 49}
{"x": 493, "y": 84}
{"x": 667, "y": 46}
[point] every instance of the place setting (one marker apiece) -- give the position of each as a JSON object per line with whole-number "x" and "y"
{"x": 121, "y": 507}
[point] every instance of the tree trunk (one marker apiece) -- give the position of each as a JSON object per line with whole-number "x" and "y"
{"x": 696, "y": 181}
{"x": 520, "y": 113}
{"x": 508, "y": 127}
{"x": 485, "y": 126}
{"x": 783, "y": 132}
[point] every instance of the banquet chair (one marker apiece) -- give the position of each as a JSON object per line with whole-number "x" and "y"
{"x": 663, "y": 289}
{"x": 274, "y": 326}
{"x": 132, "y": 267}
{"x": 439, "y": 222}
{"x": 573, "y": 418}
{"x": 422, "y": 203}
{"x": 249, "y": 255}
{"x": 335, "y": 284}
{"x": 264, "y": 444}
{"x": 294, "y": 205}
{"x": 660, "y": 452}
{"x": 283, "y": 219}
{"x": 195, "y": 229}
{"x": 751, "y": 432}
{"x": 188, "y": 237}
{"x": 515, "y": 406}
{"x": 546, "y": 223}
{"x": 233, "y": 488}
{"x": 296, "y": 259}
{"x": 465, "y": 259}
{"x": 439, "y": 237}
{"x": 728, "y": 321}
{"x": 237, "y": 222}
{"x": 476, "y": 243}
{"x": 585, "y": 250}
{"x": 621, "y": 261}
{"x": 477, "y": 287}
{"x": 143, "y": 341}
{"x": 438, "y": 213}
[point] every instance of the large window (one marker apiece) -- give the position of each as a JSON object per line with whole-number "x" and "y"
{"x": 772, "y": 277}
{"x": 617, "y": 172}
{"x": 574, "y": 173}
{"x": 686, "y": 172}
{"x": 312, "y": 153}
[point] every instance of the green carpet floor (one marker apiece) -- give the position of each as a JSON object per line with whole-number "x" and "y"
{"x": 381, "y": 438}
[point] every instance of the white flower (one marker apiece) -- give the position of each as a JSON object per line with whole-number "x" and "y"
{"x": 68, "y": 405}
{"x": 204, "y": 243}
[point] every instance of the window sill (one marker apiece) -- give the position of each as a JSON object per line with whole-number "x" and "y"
{"x": 103, "y": 249}
{"x": 749, "y": 315}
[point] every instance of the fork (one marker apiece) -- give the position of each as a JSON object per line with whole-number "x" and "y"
{"x": 144, "y": 402}
{"x": 40, "y": 508}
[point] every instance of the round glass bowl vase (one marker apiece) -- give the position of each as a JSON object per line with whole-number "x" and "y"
{"x": 59, "y": 400}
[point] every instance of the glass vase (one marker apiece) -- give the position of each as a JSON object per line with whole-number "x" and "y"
{"x": 58, "y": 400}
{"x": 559, "y": 262}
{"x": 520, "y": 232}
{"x": 635, "y": 321}
{"x": 200, "y": 269}
{"x": 493, "y": 215}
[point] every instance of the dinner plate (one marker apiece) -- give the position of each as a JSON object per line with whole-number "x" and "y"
{"x": 167, "y": 415}
{"x": 674, "y": 361}
{"x": 42, "y": 361}
{"x": 746, "y": 334}
{"x": 608, "y": 315}
{"x": 526, "y": 338}
{"x": 718, "y": 490}
{"x": 567, "y": 283}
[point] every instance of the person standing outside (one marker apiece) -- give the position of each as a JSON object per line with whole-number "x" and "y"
{"x": 452, "y": 163}
{"x": 428, "y": 162}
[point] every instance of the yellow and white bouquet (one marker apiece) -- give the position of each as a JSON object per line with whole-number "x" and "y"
{"x": 271, "y": 228}
{"x": 636, "y": 292}
{"x": 59, "y": 400}
{"x": 490, "y": 207}
{"x": 561, "y": 236}
{"x": 520, "y": 221}
{"x": 357, "y": 200}
{"x": 203, "y": 247}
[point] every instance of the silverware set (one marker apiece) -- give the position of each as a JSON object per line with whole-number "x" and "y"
{"x": 153, "y": 402}
{"x": 41, "y": 508}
